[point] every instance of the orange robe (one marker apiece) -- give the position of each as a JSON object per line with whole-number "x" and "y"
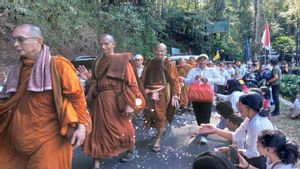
{"x": 155, "y": 114}
{"x": 112, "y": 132}
{"x": 183, "y": 71}
{"x": 34, "y": 132}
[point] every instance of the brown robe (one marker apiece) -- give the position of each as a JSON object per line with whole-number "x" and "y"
{"x": 155, "y": 114}
{"x": 32, "y": 139}
{"x": 183, "y": 71}
{"x": 112, "y": 131}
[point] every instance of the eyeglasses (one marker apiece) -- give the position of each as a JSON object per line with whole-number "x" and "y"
{"x": 21, "y": 39}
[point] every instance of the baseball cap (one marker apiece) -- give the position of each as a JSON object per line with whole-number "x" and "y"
{"x": 203, "y": 56}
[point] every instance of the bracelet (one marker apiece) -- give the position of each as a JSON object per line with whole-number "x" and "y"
{"x": 247, "y": 166}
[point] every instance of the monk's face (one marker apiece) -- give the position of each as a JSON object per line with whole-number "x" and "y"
{"x": 26, "y": 44}
{"x": 107, "y": 45}
{"x": 181, "y": 62}
{"x": 160, "y": 51}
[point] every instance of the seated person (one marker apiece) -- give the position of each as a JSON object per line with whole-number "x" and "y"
{"x": 234, "y": 122}
{"x": 280, "y": 152}
{"x": 212, "y": 160}
{"x": 249, "y": 106}
{"x": 224, "y": 108}
{"x": 295, "y": 110}
{"x": 234, "y": 90}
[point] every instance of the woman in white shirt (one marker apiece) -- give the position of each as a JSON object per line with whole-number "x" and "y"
{"x": 280, "y": 153}
{"x": 249, "y": 105}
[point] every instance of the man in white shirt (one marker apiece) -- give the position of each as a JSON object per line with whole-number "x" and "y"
{"x": 208, "y": 75}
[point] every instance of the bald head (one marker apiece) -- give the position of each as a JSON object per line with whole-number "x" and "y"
{"x": 160, "y": 50}
{"x": 106, "y": 44}
{"x": 30, "y": 30}
{"x": 107, "y": 37}
{"x": 161, "y": 45}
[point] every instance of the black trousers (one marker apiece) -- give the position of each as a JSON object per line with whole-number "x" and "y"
{"x": 275, "y": 95}
{"x": 202, "y": 112}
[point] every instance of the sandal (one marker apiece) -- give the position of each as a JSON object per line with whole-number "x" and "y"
{"x": 129, "y": 156}
{"x": 156, "y": 148}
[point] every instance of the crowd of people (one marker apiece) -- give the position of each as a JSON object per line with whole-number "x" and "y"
{"x": 45, "y": 111}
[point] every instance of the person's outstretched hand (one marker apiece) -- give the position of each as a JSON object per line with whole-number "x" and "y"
{"x": 84, "y": 73}
{"x": 207, "y": 129}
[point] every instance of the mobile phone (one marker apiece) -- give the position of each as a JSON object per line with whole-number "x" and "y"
{"x": 233, "y": 154}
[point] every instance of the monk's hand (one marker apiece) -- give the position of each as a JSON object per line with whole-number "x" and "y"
{"x": 175, "y": 101}
{"x": 78, "y": 136}
{"x": 129, "y": 110}
{"x": 181, "y": 79}
{"x": 84, "y": 73}
{"x": 147, "y": 91}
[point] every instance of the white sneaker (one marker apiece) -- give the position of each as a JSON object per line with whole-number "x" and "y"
{"x": 203, "y": 140}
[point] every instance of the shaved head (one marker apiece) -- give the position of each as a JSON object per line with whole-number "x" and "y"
{"x": 160, "y": 50}
{"x": 107, "y": 37}
{"x": 31, "y": 30}
{"x": 161, "y": 45}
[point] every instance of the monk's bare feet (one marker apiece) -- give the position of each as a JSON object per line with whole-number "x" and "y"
{"x": 97, "y": 163}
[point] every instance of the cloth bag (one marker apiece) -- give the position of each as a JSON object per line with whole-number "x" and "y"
{"x": 201, "y": 92}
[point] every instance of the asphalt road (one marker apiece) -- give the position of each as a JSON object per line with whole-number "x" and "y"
{"x": 178, "y": 147}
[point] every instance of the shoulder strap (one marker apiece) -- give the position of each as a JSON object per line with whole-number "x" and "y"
{"x": 97, "y": 60}
{"x": 274, "y": 165}
{"x": 56, "y": 87}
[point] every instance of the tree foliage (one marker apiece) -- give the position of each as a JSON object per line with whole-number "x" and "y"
{"x": 72, "y": 26}
{"x": 284, "y": 44}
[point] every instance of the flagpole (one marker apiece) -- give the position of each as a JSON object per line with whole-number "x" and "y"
{"x": 265, "y": 57}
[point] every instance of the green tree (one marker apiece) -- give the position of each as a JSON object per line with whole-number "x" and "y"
{"x": 284, "y": 45}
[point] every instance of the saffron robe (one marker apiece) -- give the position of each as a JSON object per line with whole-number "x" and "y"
{"x": 183, "y": 71}
{"x": 112, "y": 131}
{"x": 32, "y": 137}
{"x": 155, "y": 114}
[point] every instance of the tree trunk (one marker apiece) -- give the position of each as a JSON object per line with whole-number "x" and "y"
{"x": 256, "y": 29}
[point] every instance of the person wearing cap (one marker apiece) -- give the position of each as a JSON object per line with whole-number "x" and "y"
{"x": 209, "y": 75}
{"x": 139, "y": 59}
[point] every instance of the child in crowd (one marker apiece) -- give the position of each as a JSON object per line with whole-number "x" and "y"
{"x": 224, "y": 108}
{"x": 266, "y": 93}
{"x": 234, "y": 122}
{"x": 234, "y": 91}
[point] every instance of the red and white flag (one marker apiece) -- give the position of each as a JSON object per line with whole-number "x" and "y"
{"x": 265, "y": 40}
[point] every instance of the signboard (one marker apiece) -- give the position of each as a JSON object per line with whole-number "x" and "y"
{"x": 222, "y": 26}
{"x": 175, "y": 51}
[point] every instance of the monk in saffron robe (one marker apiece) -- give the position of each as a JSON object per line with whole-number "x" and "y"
{"x": 192, "y": 61}
{"x": 113, "y": 104}
{"x": 31, "y": 134}
{"x": 161, "y": 83}
{"x": 183, "y": 69}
